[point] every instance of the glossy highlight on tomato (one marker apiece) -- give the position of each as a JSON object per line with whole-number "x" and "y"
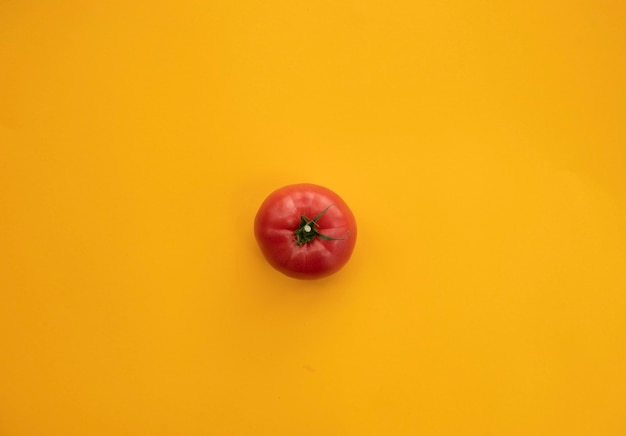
{"x": 305, "y": 231}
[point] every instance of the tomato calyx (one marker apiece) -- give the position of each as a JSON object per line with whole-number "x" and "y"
{"x": 307, "y": 230}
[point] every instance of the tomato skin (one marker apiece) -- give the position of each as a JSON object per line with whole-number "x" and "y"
{"x": 281, "y": 215}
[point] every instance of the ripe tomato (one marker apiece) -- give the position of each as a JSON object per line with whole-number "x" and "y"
{"x": 305, "y": 231}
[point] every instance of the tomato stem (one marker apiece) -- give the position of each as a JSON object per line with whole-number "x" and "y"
{"x": 307, "y": 231}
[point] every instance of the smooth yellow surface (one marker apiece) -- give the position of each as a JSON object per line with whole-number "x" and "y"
{"x": 481, "y": 146}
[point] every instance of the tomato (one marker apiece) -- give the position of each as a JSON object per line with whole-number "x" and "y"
{"x": 305, "y": 231}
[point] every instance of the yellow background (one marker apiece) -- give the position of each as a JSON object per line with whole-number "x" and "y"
{"x": 481, "y": 146}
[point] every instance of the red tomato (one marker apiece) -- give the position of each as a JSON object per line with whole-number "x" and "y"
{"x": 305, "y": 231}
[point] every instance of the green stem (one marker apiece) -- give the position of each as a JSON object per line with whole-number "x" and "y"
{"x": 307, "y": 231}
